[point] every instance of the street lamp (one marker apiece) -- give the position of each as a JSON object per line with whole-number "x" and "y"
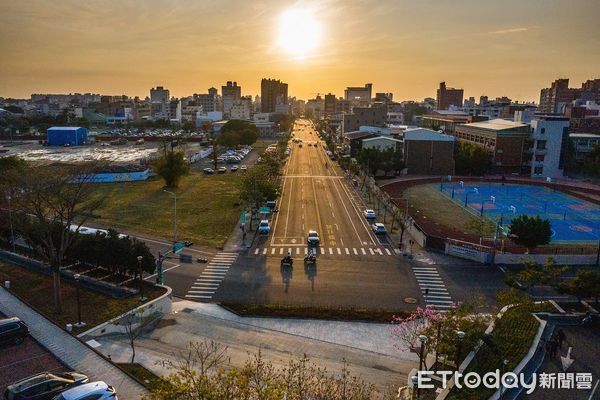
{"x": 415, "y": 382}
{"x": 459, "y": 337}
{"x": 12, "y": 232}
{"x": 174, "y": 215}
{"x": 504, "y": 364}
{"x": 79, "y": 323}
{"x": 423, "y": 340}
{"x": 140, "y": 258}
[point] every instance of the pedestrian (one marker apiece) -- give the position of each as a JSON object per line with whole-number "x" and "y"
{"x": 561, "y": 337}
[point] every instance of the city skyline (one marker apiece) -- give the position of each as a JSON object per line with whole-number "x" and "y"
{"x": 403, "y": 48}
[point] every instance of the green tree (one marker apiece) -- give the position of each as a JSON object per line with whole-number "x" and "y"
{"x": 585, "y": 284}
{"x": 471, "y": 159}
{"x": 530, "y": 232}
{"x": 533, "y": 274}
{"x": 238, "y": 132}
{"x": 172, "y": 166}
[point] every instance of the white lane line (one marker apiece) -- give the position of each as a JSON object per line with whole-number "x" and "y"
{"x": 339, "y": 251}
{"x": 354, "y": 250}
{"x": 347, "y": 251}
{"x": 372, "y": 252}
{"x": 389, "y": 253}
{"x": 363, "y": 251}
{"x": 164, "y": 270}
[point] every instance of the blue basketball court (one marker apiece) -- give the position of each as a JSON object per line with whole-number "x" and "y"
{"x": 572, "y": 219}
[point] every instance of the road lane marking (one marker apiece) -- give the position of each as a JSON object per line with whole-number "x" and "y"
{"x": 273, "y": 250}
{"x": 363, "y": 251}
{"x": 347, "y": 251}
{"x": 164, "y": 270}
{"x": 265, "y": 251}
{"x": 354, "y": 250}
{"x": 372, "y": 252}
{"x": 330, "y": 250}
{"x": 256, "y": 251}
{"x": 379, "y": 251}
{"x": 339, "y": 251}
{"x": 389, "y": 253}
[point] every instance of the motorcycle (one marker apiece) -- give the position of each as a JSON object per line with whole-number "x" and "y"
{"x": 202, "y": 260}
{"x": 287, "y": 260}
{"x": 310, "y": 259}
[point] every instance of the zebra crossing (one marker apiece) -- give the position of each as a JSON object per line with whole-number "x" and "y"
{"x": 432, "y": 286}
{"x": 211, "y": 277}
{"x": 324, "y": 251}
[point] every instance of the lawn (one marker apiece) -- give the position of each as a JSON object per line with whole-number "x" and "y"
{"x": 208, "y": 208}
{"x": 513, "y": 334}
{"x": 142, "y": 374}
{"x": 36, "y": 290}
{"x": 437, "y": 207}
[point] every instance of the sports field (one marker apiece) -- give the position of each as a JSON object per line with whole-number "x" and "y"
{"x": 573, "y": 220}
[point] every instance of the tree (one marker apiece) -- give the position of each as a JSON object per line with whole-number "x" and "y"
{"x": 407, "y": 329}
{"x": 471, "y": 159}
{"x": 585, "y": 284}
{"x": 134, "y": 323}
{"x": 534, "y": 274}
{"x": 530, "y": 231}
{"x": 204, "y": 371}
{"x": 258, "y": 184}
{"x": 238, "y": 132}
{"x": 53, "y": 199}
{"x": 172, "y": 166}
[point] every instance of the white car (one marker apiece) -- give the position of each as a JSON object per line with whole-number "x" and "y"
{"x": 369, "y": 214}
{"x": 243, "y": 168}
{"x": 313, "y": 238}
{"x": 233, "y": 168}
{"x": 379, "y": 228}
{"x": 222, "y": 170}
{"x": 94, "y": 390}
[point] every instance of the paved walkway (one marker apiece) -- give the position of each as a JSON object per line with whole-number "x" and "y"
{"x": 70, "y": 350}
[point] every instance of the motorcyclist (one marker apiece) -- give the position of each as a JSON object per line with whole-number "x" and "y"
{"x": 287, "y": 258}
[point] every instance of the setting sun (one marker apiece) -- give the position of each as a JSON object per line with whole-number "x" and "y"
{"x": 299, "y": 32}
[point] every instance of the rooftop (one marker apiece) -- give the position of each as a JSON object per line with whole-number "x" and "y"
{"x": 497, "y": 124}
{"x": 65, "y": 128}
{"x": 426, "y": 134}
{"x": 382, "y": 138}
{"x": 357, "y": 134}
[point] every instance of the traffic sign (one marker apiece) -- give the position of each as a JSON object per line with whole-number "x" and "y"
{"x": 178, "y": 246}
{"x": 243, "y": 217}
{"x": 264, "y": 210}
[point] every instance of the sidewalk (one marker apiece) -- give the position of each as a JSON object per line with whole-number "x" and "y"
{"x": 70, "y": 350}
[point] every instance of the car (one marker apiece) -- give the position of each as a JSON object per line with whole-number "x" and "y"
{"x": 12, "y": 331}
{"x": 243, "y": 168}
{"x": 43, "y": 386}
{"x": 233, "y": 168}
{"x": 379, "y": 228}
{"x": 263, "y": 227}
{"x": 222, "y": 170}
{"x": 272, "y": 204}
{"x": 313, "y": 238}
{"x": 369, "y": 214}
{"x": 94, "y": 390}
{"x": 208, "y": 171}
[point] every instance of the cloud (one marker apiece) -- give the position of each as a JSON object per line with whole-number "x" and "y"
{"x": 512, "y": 30}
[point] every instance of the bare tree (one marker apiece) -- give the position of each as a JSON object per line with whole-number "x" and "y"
{"x": 55, "y": 201}
{"x": 135, "y": 323}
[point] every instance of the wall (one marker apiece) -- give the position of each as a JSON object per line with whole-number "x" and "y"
{"x": 429, "y": 157}
{"x": 121, "y": 177}
{"x": 561, "y": 259}
{"x": 157, "y": 307}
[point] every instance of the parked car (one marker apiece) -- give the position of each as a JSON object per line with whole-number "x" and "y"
{"x": 12, "y": 331}
{"x": 243, "y": 168}
{"x": 272, "y": 204}
{"x": 379, "y": 228}
{"x": 313, "y": 238}
{"x": 43, "y": 386}
{"x": 233, "y": 168}
{"x": 88, "y": 391}
{"x": 208, "y": 171}
{"x": 264, "y": 228}
{"x": 222, "y": 170}
{"x": 369, "y": 214}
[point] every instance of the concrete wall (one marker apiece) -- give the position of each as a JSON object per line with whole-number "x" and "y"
{"x": 425, "y": 157}
{"x": 121, "y": 177}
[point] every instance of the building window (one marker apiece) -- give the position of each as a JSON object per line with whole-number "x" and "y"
{"x": 541, "y": 145}
{"x": 539, "y": 158}
{"x": 543, "y": 130}
{"x": 538, "y": 170}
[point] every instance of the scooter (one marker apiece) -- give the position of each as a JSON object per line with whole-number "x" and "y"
{"x": 202, "y": 260}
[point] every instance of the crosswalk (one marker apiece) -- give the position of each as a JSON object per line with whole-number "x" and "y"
{"x": 432, "y": 287}
{"x": 211, "y": 277}
{"x": 325, "y": 251}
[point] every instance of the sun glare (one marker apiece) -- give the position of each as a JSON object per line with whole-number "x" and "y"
{"x": 299, "y": 32}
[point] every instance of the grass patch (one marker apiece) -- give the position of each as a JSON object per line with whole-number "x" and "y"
{"x": 208, "y": 207}
{"x": 437, "y": 207}
{"x": 36, "y": 289}
{"x": 146, "y": 377}
{"x": 513, "y": 334}
{"x": 324, "y": 313}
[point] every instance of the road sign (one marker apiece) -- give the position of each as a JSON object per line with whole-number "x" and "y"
{"x": 244, "y": 217}
{"x": 264, "y": 210}
{"x": 178, "y": 246}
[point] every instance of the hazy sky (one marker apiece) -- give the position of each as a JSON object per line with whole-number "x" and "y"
{"x": 508, "y": 47}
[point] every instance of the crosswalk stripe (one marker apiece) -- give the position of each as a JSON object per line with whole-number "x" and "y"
{"x": 339, "y": 251}
{"x": 354, "y": 250}
{"x": 273, "y": 250}
{"x": 256, "y": 252}
{"x": 372, "y": 252}
{"x": 424, "y": 269}
{"x": 433, "y": 296}
{"x": 195, "y": 296}
{"x": 347, "y": 251}
{"x": 330, "y": 250}
{"x": 281, "y": 251}
{"x": 435, "y": 291}
{"x": 202, "y": 291}
{"x": 397, "y": 251}
{"x": 224, "y": 258}
{"x": 426, "y": 285}
{"x": 389, "y": 253}
{"x": 297, "y": 250}
{"x": 305, "y": 250}
{"x": 379, "y": 251}
{"x": 427, "y": 276}
{"x": 429, "y": 280}
{"x": 217, "y": 269}
{"x": 265, "y": 251}
{"x": 322, "y": 250}
{"x": 207, "y": 279}
{"x": 205, "y": 286}
{"x": 441, "y": 301}
{"x": 363, "y": 251}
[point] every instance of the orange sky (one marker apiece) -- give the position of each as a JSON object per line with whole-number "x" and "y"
{"x": 495, "y": 48}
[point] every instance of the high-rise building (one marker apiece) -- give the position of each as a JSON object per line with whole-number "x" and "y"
{"x": 272, "y": 92}
{"x": 208, "y": 101}
{"x": 359, "y": 96}
{"x": 554, "y": 99}
{"x": 230, "y": 93}
{"x": 447, "y": 97}
{"x": 330, "y": 104}
{"x": 159, "y": 99}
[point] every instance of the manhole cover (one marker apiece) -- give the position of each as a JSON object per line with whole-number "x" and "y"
{"x": 410, "y": 300}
